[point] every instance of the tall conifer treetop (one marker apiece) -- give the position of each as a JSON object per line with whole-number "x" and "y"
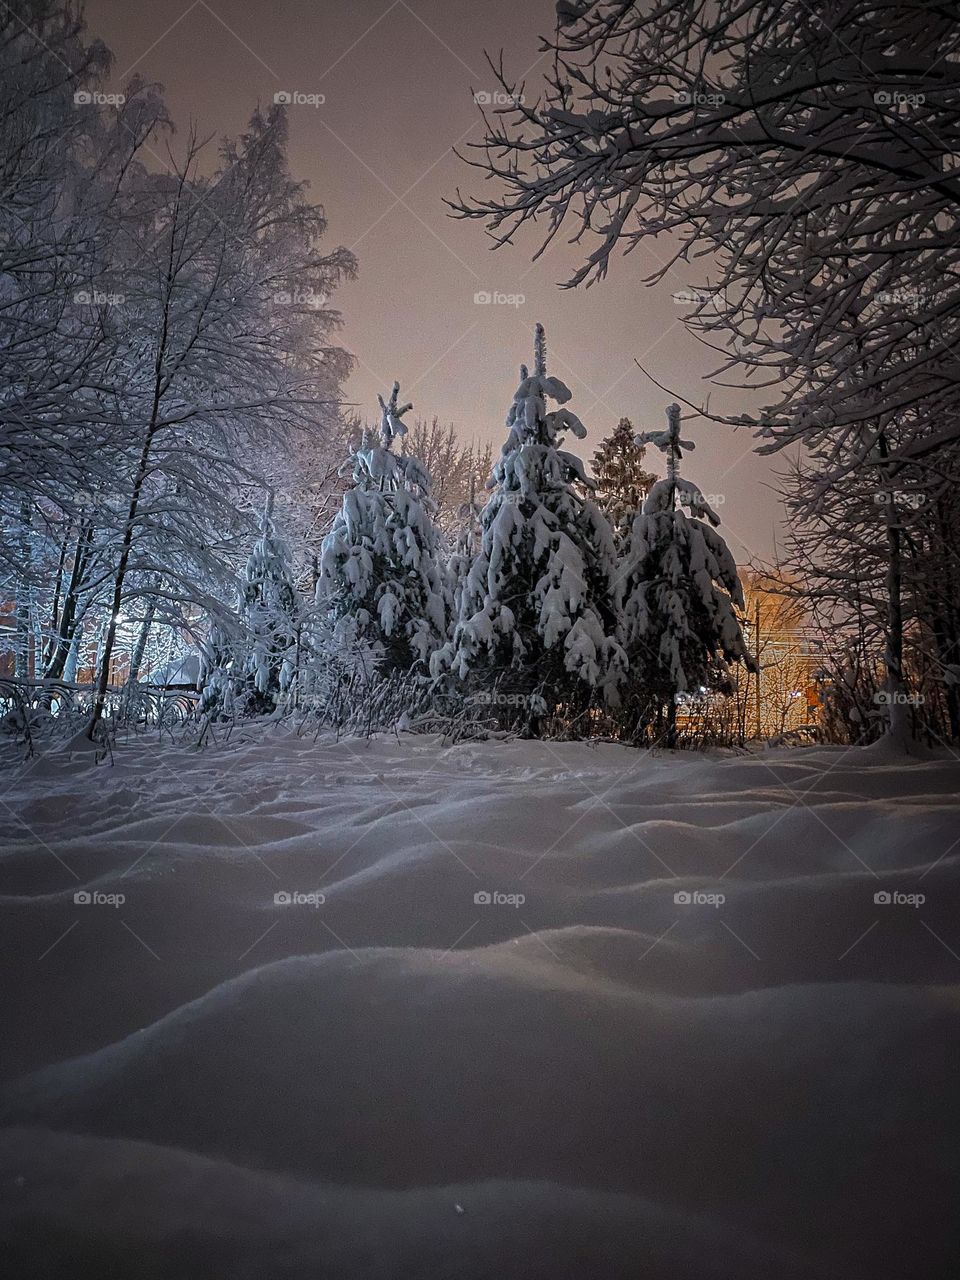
{"x": 537, "y": 606}
{"x": 381, "y": 582}
{"x": 680, "y": 590}
{"x": 622, "y": 481}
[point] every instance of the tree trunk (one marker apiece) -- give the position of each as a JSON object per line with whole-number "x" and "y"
{"x": 51, "y": 643}
{"x": 23, "y": 601}
{"x": 136, "y": 658}
{"x": 67, "y": 629}
{"x": 947, "y": 630}
{"x": 140, "y": 648}
{"x": 73, "y": 654}
{"x": 105, "y": 655}
{"x": 670, "y": 736}
{"x": 126, "y": 544}
{"x": 898, "y": 710}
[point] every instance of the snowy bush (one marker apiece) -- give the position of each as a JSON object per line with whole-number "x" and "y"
{"x": 216, "y": 682}
{"x": 249, "y": 661}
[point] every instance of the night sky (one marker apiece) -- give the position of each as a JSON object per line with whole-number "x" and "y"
{"x": 397, "y": 80}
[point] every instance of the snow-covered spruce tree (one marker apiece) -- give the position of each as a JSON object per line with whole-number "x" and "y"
{"x": 679, "y": 586}
{"x": 271, "y": 619}
{"x": 622, "y": 482}
{"x": 216, "y": 681}
{"x": 536, "y": 613}
{"x": 381, "y": 585}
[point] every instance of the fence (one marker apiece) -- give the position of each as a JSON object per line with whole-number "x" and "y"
{"x": 42, "y": 708}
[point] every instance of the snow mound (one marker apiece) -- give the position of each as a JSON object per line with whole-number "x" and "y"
{"x": 125, "y": 1208}
{"x": 609, "y": 996}
{"x": 396, "y": 1068}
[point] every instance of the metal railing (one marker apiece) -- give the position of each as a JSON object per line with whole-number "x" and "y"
{"x": 32, "y": 709}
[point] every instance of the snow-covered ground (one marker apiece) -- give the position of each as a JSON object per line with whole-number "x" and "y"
{"x": 486, "y": 1037}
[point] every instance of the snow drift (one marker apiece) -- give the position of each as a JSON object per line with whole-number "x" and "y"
{"x": 520, "y": 1009}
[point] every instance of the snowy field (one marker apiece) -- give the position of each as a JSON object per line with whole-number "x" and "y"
{"x": 485, "y": 1037}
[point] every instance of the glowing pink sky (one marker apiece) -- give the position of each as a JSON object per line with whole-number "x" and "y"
{"x": 398, "y": 80}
